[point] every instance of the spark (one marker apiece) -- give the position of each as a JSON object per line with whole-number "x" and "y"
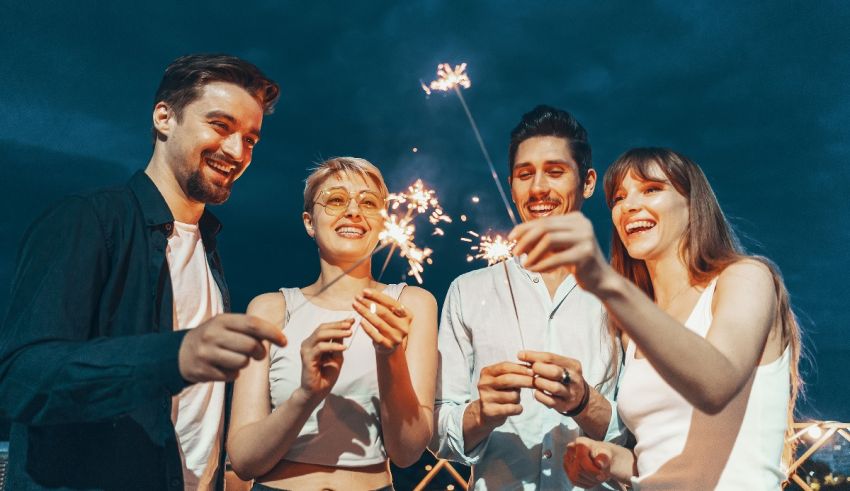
{"x": 399, "y": 232}
{"x": 492, "y": 249}
{"x": 448, "y": 78}
{"x": 476, "y": 199}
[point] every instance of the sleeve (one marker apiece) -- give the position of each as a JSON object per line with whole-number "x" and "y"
{"x": 51, "y": 368}
{"x": 454, "y": 384}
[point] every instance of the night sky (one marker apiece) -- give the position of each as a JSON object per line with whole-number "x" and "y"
{"x": 756, "y": 94}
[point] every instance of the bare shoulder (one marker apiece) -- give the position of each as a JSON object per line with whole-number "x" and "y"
{"x": 416, "y": 297}
{"x": 749, "y": 272}
{"x": 749, "y": 279}
{"x": 269, "y": 306}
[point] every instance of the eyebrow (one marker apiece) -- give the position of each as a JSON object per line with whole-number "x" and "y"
{"x": 231, "y": 119}
{"x": 548, "y": 162}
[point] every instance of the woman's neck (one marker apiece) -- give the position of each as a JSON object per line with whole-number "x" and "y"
{"x": 335, "y": 283}
{"x": 670, "y": 278}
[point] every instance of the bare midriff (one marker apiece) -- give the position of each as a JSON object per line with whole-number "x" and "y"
{"x": 298, "y": 475}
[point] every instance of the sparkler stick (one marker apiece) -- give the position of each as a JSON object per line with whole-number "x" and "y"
{"x": 454, "y": 79}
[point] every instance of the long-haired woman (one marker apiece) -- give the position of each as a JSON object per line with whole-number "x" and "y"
{"x": 711, "y": 344}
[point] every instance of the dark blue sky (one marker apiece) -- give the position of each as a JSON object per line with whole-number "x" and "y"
{"x": 757, "y": 94}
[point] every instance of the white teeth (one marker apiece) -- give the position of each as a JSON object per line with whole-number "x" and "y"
{"x": 220, "y": 167}
{"x": 350, "y": 231}
{"x": 639, "y": 225}
{"x": 542, "y": 207}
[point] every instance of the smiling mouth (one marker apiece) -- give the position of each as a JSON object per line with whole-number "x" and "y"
{"x": 639, "y": 226}
{"x": 542, "y": 208}
{"x": 350, "y": 232}
{"x": 220, "y": 167}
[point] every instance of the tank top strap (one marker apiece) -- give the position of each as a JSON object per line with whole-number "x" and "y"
{"x": 394, "y": 289}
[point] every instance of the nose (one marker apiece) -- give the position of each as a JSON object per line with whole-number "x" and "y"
{"x": 630, "y": 202}
{"x": 234, "y": 147}
{"x": 539, "y": 185}
{"x": 353, "y": 208}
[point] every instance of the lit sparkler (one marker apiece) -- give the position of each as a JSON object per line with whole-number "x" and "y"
{"x": 492, "y": 249}
{"x": 449, "y": 78}
{"x": 399, "y": 232}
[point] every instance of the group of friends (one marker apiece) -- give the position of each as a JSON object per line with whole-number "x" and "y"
{"x": 673, "y": 365}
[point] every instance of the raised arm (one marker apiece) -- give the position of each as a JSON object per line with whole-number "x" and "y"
{"x": 405, "y": 335}
{"x": 715, "y": 367}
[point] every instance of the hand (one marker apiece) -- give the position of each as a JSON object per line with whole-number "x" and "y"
{"x": 221, "y": 346}
{"x": 549, "y": 378}
{"x": 588, "y": 462}
{"x": 321, "y": 358}
{"x": 562, "y": 240}
{"x": 385, "y": 320}
{"x": 499, "y": 392}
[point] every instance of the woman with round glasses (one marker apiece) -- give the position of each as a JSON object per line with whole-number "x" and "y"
{"x": 355, "y": 384}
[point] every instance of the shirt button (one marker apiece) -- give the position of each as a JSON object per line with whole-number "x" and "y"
{"x": 547, "y": 454}
{"x": 168, "y": 227}
{"x": 536, "y": 279}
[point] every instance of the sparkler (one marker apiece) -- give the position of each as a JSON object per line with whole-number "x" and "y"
{"x": 418, "y": 199}
{"x": 449, "y": 78}
{"x": 492, "y": 249}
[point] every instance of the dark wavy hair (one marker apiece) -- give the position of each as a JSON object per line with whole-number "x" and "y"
{"x": 549, "y": 121}
{"x": 186, "y": 76}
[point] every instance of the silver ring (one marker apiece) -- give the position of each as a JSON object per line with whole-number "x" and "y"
{"x": 565, "y": 377}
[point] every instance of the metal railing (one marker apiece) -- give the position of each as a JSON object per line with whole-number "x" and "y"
{"x": 812, "y": 436}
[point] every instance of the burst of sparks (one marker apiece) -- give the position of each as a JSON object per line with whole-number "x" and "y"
{"x": 400, "y": 233}
{"x": 448, "y": 78}
{"x": 492, "y": 249}
{"x": 420, "y": 199}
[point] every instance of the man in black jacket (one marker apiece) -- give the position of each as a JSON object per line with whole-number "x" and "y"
{"x": 116, "y": 345}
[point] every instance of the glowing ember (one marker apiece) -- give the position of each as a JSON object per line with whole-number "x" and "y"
{"x": 399, "y": 232}
{"x": 493, "y": 249}
{"x": 448, "y": 78}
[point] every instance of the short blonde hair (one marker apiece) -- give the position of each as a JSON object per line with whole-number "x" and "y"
{"x": 336, "y": 166}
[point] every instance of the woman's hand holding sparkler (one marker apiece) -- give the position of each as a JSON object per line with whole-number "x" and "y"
{"x": 385, "y": 320}
{"x": 563, "y": 240}
{"x": 321, "y": 358}
{"x": 589, "y": 462}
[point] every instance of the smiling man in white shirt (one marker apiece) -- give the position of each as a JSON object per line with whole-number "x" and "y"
{"x": 525, "y": 358}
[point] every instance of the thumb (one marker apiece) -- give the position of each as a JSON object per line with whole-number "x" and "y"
{"x": 601, "y": 458}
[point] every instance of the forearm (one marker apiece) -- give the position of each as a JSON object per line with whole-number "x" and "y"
{"x": 256, "y": 448}
{"x": 704, "y": 377}
{"x": 406, "y": 423}
{"x": 50, "y": 382}
{"x": 475, "y": 430}
{"x": 596, "y": 417}
{"x": 623, "y": 463}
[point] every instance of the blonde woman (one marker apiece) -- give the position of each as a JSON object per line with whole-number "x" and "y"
{"x": 355, "y": 385}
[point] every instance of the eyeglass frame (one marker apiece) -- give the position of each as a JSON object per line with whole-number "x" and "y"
{"x": 356, "y": 197}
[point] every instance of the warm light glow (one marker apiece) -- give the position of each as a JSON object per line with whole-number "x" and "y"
{"x": 492, "y": 249}
{"x": 448, "y": 78}
{"x": 815, "y": 431}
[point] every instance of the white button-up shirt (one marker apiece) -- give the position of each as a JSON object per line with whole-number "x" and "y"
{"x": 479, "y": 328}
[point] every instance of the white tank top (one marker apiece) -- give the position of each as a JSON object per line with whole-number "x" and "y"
{"x": 679, "y": 447}
{"x": 345, "y": 429}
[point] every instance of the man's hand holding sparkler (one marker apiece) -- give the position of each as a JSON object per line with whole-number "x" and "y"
{"x": 498, "y": 399}
{"x": 385, "y": 320}
{"x": 321, "y": 358}
{"x": 558, "y": 382}
{"x": 563, "y": 240}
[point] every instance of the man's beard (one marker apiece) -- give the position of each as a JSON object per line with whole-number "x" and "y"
{"x": 204, "y": 191}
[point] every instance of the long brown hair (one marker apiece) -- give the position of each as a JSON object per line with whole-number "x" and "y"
{"x": 709, "y": 244}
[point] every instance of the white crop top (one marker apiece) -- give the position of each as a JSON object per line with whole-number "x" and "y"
{"x": 345, "y": 429}
{"x": 679, "y": 447}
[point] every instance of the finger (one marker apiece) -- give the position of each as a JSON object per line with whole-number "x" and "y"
{"x": 257, "y": 328}
{"x": 370, "y": 314}
{"x": 546, "y": 399}
{"x": 343, "y": 324}
{"x": 520, "y": 230}
{"x": 504, "y": 410}
{"x": 387, "y": 301}
{"x": 375, "y": 334}
{"x": 601, "y": 457}
{"x": 542, "y": 356}
{"x": 512, "y": 381}
{"x": 328, "y": 347}
{"x": 552, "y": 388}
{"x": 529, "y": 239}
{"x": 324, "y": 334}
{"x": 389, "y": 315}
{"x": 502, "y": 397}
{"x": 227, "y": 360}
{"x": 506, "y": 367}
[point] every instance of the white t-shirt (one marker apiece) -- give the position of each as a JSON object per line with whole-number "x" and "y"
{"x": 198, "y": 410}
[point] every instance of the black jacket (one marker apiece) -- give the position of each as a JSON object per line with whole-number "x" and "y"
{"x": 88, "y": 355}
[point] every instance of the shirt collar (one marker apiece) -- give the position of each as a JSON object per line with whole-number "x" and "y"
{"x": 155, "y": 209}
